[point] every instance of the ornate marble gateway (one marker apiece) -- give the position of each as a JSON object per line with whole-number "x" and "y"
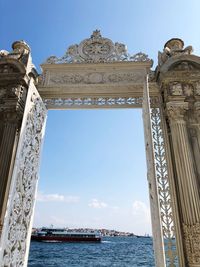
{"x": 98, "y": 73}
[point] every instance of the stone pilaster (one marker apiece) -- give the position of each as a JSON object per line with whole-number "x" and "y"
{"x": 16, "y": 68}
{"x": 189, "y": 201}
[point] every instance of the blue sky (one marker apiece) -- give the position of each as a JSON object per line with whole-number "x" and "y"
{"x": 93, "y": 170}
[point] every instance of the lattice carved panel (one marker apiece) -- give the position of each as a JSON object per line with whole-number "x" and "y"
{"x": 164, "y": 195}
{"x": 99, "y": 102}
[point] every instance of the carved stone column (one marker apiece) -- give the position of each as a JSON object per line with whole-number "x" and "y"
{"x": 7, "y": 152}
{"x": 196, "y": 140}
{"x": 186, "y": 180}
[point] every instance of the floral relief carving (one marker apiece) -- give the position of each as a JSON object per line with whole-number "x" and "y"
{"x": 22, "y": 193}
{"x": 95, "y": 78}
{"x": 125, "y": 77}
{"x": 188, "y": 90}
{"x": 63, "y": 79}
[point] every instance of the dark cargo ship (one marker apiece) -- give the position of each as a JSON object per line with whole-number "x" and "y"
{"x": 62, "y": 235}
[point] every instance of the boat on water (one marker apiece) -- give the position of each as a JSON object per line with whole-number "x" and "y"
{"x": 62, "y": 235}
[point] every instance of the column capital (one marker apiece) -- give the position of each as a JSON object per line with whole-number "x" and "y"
{"x": 176, "y": 110}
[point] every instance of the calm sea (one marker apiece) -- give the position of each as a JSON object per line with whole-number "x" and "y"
{"x": 111, "y": 252}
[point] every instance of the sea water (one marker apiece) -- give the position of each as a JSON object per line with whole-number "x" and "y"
{"x": 111, "y": 252}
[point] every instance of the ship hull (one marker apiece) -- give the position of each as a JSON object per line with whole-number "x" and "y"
{"x": 64, "y": 239}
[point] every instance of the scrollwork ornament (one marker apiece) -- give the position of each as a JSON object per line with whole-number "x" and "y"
{"x": 22, "y": 193}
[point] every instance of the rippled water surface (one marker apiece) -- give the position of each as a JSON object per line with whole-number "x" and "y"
{"x": 111, "y": 252}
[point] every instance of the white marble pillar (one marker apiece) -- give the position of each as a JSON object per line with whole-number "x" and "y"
{"x": 189, "y": 201}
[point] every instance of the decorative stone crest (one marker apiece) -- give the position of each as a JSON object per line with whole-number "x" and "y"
{"x": 97, "y": 49}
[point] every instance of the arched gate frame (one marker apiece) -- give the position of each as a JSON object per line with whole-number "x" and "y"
{"x": 99, "y": 74}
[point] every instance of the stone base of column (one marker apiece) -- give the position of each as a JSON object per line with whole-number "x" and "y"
{"x": 192, "y": 244}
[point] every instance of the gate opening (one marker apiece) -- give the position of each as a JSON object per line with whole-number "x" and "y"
{"x": 93, "y": 176}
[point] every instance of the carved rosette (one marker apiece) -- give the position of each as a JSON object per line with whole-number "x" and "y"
{"x": 192, "y": 243}
{"x": 17, "y": 224}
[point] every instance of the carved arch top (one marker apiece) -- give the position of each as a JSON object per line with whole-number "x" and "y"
{"x": 181, "y": 62}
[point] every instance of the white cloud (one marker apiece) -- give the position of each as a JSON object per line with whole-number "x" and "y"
{"x": 141, "y": 211}
{"x": 41, "y": 197}
{"x": 95, "y": 203}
